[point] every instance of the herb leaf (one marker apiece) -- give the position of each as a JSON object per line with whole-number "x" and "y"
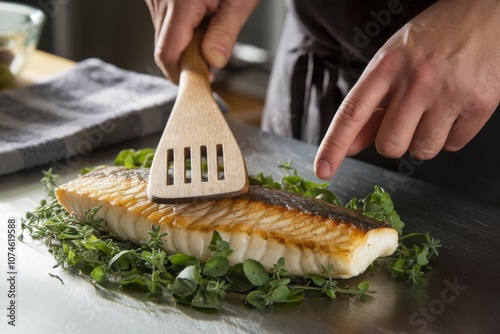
{"x": 187, "y": 281}
{"x": 216, "y": 266}
{"x": 409, "y": 260}
{"x": 255, "y": 272}
{"x": 132, "y": 159}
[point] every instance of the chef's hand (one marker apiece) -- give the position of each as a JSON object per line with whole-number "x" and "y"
{"x": 175, "y": 20}
{"x": 432, "y": 86}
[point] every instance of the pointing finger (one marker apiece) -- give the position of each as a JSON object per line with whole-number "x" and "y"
{"x": 354, "y": 112}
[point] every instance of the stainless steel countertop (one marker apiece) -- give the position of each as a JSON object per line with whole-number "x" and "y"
{"x": 463, "y": 295}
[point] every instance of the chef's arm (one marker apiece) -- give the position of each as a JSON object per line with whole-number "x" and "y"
{"x": 175, "y": 20}
{"x": 431, "y": 87}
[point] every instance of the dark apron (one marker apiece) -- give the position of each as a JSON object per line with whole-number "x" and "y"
{"x": 324, "y": 48}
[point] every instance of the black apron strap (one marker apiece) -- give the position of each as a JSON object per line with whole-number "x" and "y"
{"x": 298, "y": 91}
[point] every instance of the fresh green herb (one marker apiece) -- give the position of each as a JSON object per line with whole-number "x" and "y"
{"x": 130, "y": 158}
{"x": 408, "y": 261}
{"x": 293, "y": 182}
{"x": 135, "y": 158}
{"x": 83, "y": 247}
{"x": 379, "y": 206}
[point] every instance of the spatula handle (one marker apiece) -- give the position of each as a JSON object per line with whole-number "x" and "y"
{"x": 194, "y": 68}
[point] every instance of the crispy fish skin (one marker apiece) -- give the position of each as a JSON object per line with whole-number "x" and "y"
{"x": 264, "y": 224}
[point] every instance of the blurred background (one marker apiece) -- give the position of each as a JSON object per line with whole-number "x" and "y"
{"x": 120, "y": 32}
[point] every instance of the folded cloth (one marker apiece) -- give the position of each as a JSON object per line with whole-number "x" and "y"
{"x": 92, "y": 105}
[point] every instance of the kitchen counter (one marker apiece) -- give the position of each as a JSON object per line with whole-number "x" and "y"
{"x": 462, "y": 296}
{"x": 41, "y": 66}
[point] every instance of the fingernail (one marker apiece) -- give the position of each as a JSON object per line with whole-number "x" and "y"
{"x": 219, "y": 57}
{"x": 323, "y": 169}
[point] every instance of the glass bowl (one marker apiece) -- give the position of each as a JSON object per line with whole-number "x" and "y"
{"x": 20, "y": 28}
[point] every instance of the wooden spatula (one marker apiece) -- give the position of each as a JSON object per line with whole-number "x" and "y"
{"x": 197, "y": 156}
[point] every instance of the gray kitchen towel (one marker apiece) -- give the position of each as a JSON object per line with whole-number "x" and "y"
{"x": 92, "y": 105}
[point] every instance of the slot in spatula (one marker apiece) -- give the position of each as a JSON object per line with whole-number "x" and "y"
{"x": 197, "y": 157}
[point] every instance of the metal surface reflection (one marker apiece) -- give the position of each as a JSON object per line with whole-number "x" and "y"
{"x": 462, "y": 296}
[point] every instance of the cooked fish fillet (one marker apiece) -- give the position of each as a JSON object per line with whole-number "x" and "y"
{"x": 264, "y": 224}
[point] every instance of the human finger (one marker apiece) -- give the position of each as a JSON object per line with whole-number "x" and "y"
{"x": 351, "y": 117}
{"x": 223, "y": 30}
{"x": 432, "y": 130}
{"x": 157, "y": 10}
{"x": 181, "y": 18}
{"x": 367, "y": 135}
{"x": 401, "y": 119}
{"x": 467, "y": 125}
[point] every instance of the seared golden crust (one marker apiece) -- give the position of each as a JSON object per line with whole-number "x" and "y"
{"x": 283, "y": 201}
{"x": 311, "y": 206}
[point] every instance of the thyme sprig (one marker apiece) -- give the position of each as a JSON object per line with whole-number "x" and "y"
{"x": 409, "y": 261}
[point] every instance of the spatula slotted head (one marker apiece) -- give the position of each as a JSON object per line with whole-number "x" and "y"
{"x": 207, "y": 167}
{"x": 197, "y": 156}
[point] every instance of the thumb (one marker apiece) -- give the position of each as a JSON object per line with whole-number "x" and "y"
{"x": 223, "y": 30}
